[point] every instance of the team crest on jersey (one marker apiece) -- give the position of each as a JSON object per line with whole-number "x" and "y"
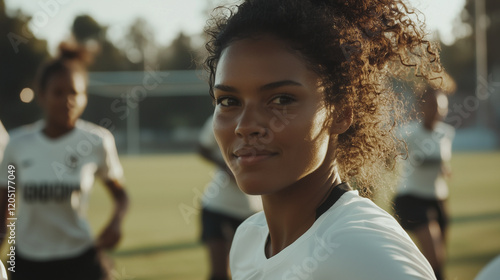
{"x": 27, "y": 163}
{"x": 72, "y": 161}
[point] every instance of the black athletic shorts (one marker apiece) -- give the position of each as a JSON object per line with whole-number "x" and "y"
{"x": 215, "y": 225}
{"x": 412, "y": 212}
{"x": 86, "y": 266}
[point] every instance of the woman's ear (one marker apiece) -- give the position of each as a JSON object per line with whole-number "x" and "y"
{"x": 342, "y": 121}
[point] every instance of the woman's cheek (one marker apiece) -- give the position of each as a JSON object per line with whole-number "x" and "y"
{"x": 81, "y": 100}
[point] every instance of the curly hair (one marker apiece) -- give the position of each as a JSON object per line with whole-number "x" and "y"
{"x": 356, "y": 47}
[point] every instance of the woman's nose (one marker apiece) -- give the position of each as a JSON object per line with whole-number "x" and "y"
{"x": 251, "y": 123}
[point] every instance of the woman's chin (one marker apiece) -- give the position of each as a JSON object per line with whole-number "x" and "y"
{"x": 254, "y": 186}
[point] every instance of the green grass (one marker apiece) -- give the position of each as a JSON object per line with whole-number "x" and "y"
{"x": 162, "y": 227}
{"x": 161, "y": 242}
{"x": 475, "y": 210}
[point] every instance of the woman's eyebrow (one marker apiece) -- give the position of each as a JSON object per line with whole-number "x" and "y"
{"x": 279, "y": 84}
{"x": 270, "y": 86}
{"x": 225, "y": 88}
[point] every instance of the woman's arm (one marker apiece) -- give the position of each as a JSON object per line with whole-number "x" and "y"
{"x": 111, "y": 235}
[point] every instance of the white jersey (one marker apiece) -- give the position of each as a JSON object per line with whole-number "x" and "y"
{"x": 353, "y": 240}
{"x": 222, "y": 193}
{"x": 3, "y": 272}
{"x": 422, "y": 173}
{"x": 53, "y": 180}
{"x": 491, "y": 271}
{"x": 4, "y": 139}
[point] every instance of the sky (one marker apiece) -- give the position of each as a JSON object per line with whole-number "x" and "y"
{"x": 52, "y": 19}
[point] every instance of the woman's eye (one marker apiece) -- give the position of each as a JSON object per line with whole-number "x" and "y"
{"x": 226, "y": 101}
{"x": 283, "y": 100}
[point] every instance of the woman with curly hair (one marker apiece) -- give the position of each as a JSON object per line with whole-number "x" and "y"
{"x": 304, "y": 109}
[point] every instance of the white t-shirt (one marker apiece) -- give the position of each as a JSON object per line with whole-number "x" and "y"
{"x": 353, "y": 240}
{"x": 491, "y": 271}
{"x": 3, "y": 272}
{"x": 53, "y": 180}
{"x": 222, "y": 193}
{"x": 4, "y": 139}
{"x": 421, "y": 173}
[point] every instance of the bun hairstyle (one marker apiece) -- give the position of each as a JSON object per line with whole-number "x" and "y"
{"x": 356, "y": 47}
{"x": 70, "y": 58}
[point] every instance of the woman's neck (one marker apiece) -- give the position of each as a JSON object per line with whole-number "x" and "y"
{"x": 291, "y": 212}
{"x": 54, "y": 131}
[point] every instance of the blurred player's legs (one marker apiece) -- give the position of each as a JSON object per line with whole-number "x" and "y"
{"x": 217, "y": 234}
{"x": 86, "y": 266}
{"x": 431, "y": 243}
{"x": 427, "y": 220}
{"x": 218, "y": 250}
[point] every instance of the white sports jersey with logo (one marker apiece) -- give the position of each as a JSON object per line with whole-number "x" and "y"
{"x": 54, "y": 179}
{"x": 427, "y": 151}
{"x": 353, "y": 240}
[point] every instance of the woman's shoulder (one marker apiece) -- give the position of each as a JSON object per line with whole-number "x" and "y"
{"x": 250, "y": 233}
{"x": 363, "y": 233}
{"x": 25, "y": 132}
{"x": 355, "y": 220}
{"x": 352, "y": 204}
{"x": 257, "y": 220}
{"x": 445, "y": 129}
{"x": 93, "y": 131}
{"x": 252, "y": 227}
{"x": 355, "y": 213}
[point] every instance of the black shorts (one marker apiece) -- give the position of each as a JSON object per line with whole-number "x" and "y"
{"x": 86, "y": 266}
{"x": 412, "y": 212}
{"x": 216, "y": 225}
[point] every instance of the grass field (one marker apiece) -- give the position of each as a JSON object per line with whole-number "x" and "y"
{"x": 162, "y": 227}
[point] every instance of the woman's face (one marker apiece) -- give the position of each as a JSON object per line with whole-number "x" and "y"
{"x": 64, "y": 98}
{"x": 270, "y": 116}
{"x": 434, "y": 106}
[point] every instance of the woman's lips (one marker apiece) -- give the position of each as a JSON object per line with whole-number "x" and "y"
{"x": 252, "y": 155}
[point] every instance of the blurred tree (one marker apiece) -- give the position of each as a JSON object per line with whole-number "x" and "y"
{"x": 493, "y": 31}
{"x": 86, "y": 28}
{"x": 459, "y": 58}
{"x": 179, "y": 55}
{"x": 460, "y": 61}
{"x": 21, "y": 53}
{"x": 87, "y": 31}
{"x": 140, "y": 45}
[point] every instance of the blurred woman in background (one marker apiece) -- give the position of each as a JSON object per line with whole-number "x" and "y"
{"x": 55, "y": 161}
{"x": 420, "y": 203}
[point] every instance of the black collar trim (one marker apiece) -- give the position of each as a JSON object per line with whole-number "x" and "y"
{"x": 334, "y": 195}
